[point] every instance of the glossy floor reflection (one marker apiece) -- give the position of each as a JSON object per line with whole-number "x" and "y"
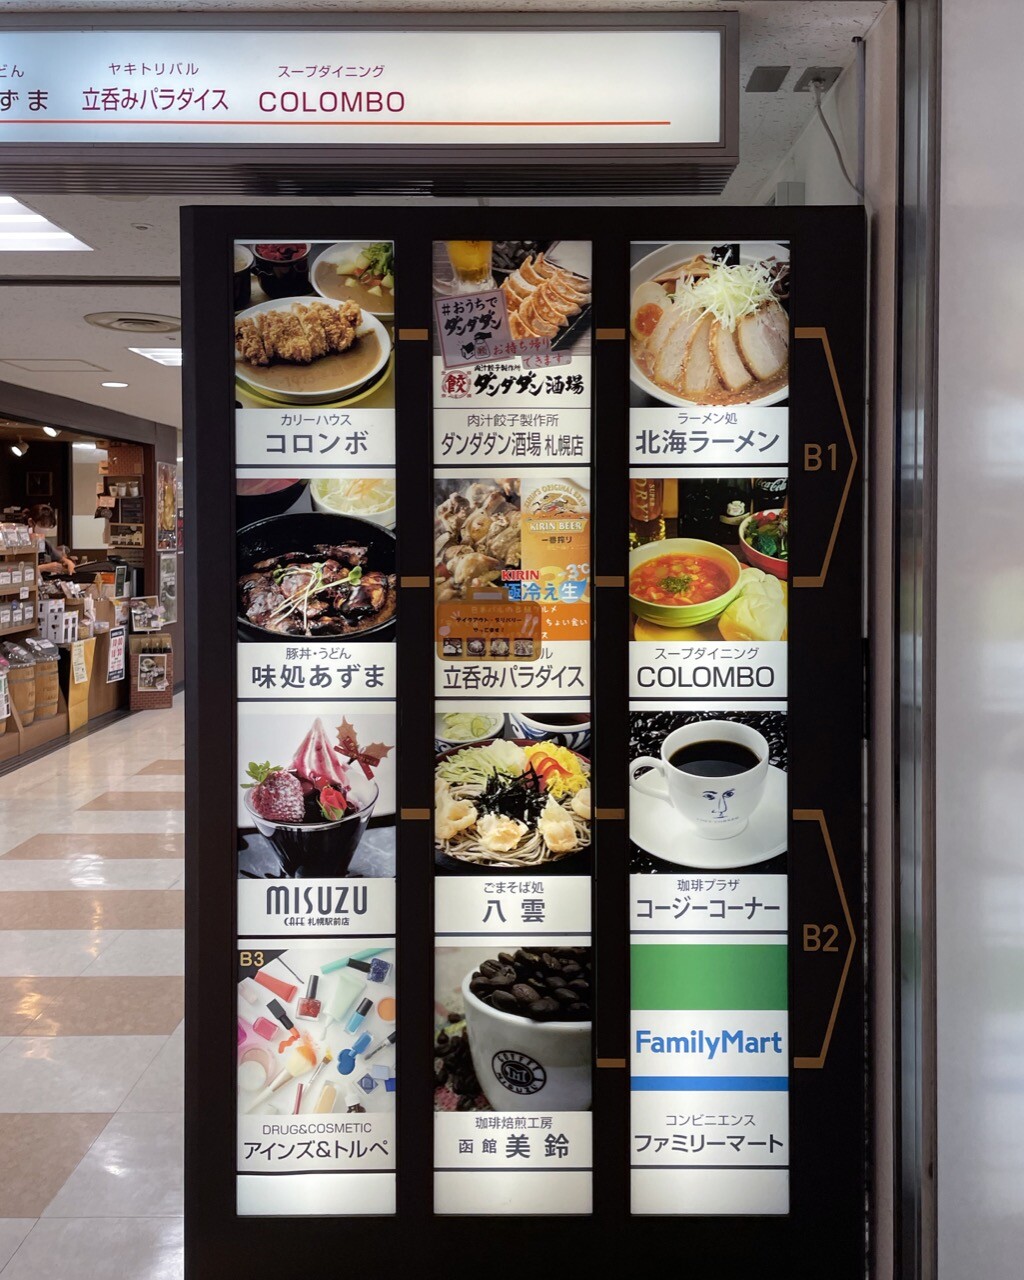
{"x": 91, "y": 1006}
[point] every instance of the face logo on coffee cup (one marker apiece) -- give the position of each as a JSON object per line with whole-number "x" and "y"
{"x": 719, "y": 803}
{"x": 518, "y": 1072}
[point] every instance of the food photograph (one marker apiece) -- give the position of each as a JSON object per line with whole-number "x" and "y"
{"x": 316, "y": 555}
{"x": 512, "y": 791}
{"x": 316, "y": 791}
{"x": 314, "y": 324}
{"x": 708, "y": 790}
{"x": 518, "y": 541}
{"x": 317, "y": 1029}
{"x": 545, "y": 284}
{"x": 709, "y": 324}
{"x": 708, "y": 558}
{"x": 513, "y": 1027}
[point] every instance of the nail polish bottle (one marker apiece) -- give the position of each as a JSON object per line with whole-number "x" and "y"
{"x": 308, "y": 1008}
{"x": 376, "y": 970}
{"x": 353, "y": 1102}
{"x": 244, "y": 1028}
{"x": 265, "y": 1028}
{"x": 359, "y": 1015}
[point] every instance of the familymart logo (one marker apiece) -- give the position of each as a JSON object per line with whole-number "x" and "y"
{"x": 703, "y": 1044}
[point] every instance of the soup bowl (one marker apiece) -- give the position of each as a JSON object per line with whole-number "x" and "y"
{"x": 684, "y": 615}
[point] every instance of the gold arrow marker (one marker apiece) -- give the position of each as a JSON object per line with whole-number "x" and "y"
{"x": 821, "y": 335}
{"x": 818, "y": 816}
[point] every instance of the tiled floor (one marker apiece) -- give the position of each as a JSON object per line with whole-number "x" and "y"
{"x": 91, "y": 1007}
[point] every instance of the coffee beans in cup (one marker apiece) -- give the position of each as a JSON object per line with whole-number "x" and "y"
{"x": 552, "y": 984}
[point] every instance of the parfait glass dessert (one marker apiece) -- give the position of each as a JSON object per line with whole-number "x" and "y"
{"x": 313, "y": 812}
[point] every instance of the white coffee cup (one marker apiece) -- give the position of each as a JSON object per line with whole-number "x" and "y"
{"x": 524, "y": 1065}
{"x": 717, "y": 808}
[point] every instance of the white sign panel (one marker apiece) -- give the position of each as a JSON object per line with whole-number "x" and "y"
{"x": 362, "y": 87}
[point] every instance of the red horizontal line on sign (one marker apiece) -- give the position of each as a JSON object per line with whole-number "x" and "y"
{"x": 430, "y": 124}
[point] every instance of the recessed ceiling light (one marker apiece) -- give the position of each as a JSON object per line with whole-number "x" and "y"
{"x": 51, "y": 431}
{"x": 113, "y": 384}
{"x": 169, "y": 356}
{"x": 22, "y": 230}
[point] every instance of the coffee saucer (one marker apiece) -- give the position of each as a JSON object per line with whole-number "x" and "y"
{"x": 661, "y": 830}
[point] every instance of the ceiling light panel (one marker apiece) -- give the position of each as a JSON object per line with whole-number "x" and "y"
{"x": 22, "y": 230}
{"x": 169, "y": 356}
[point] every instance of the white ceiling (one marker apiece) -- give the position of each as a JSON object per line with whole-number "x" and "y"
{"x": 135, "y": 242}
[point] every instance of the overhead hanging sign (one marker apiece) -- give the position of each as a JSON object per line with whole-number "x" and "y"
{"x": 382, "y": 87}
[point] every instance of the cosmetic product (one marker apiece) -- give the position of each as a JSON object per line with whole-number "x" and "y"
{"x": 308, "y": 1008}
{"x": 380, "y": 1071}
{"x": 255, "y": 1069}
{"x": 347, "y": 1057}
{"x": 290, "y": 970}
{"x": 386, "y": 1009}
{"x": 298, "y": 1099}
{"x": 349, "y": 986}
{"x": 352, "y": 1102}
{"x": 247, "y": 990}
{"x": 359, "y": 1015}
{"x": 328, "y": 1057}
{"x": 244, "y": 1028}
{"x": 285, "y": 990}
{"x": 297, "y": 1063}
{"x": 376, "y": 970}
{"x": 276, "y": 1008}
{"x": 382, "y": 1044}
{"x": 367, "y": 1083}
{"x": 390, "y": 1085}
{"x": 333, "y": 965}
{"x": 289, "y": 1040}
{"x": 325, "y": 1102}
{"x": 265, "y": 1028}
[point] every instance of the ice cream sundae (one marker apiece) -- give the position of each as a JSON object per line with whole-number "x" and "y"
{"x": 315, "y": 810}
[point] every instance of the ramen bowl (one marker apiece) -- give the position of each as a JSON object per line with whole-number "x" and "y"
{"x": 658, "y": 563}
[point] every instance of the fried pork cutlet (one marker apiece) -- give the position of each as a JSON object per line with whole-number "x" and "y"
{"x": 298, "y": 335}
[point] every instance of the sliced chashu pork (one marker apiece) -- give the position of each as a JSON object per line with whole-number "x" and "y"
{"x": 667, "y": 345}
{"x": 728, "y": 362}
{"x": 763, "y": 341}
{"x": 699, "y": 373}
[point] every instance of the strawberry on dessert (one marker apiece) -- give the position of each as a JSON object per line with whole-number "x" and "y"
{"x": 275, "y": 794}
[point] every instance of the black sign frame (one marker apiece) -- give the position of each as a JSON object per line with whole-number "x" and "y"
{"x": 825, "y": 1231}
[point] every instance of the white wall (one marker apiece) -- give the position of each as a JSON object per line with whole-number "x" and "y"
{"x": 85, "y": 531}
{"x": 979, "y": 772}
{"x": 811, "y": 160}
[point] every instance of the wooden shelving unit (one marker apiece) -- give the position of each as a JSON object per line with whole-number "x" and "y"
{"x": 26, "y": 556}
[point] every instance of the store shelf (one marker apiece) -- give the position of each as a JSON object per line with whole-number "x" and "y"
{"x": 21, "y": 628}
{"x": 9, "y": 588}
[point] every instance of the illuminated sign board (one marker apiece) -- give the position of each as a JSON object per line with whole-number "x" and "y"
{"x": 524, "y": 791}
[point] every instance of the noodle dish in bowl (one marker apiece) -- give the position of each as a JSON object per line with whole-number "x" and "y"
{"x": 516, "y": 804}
